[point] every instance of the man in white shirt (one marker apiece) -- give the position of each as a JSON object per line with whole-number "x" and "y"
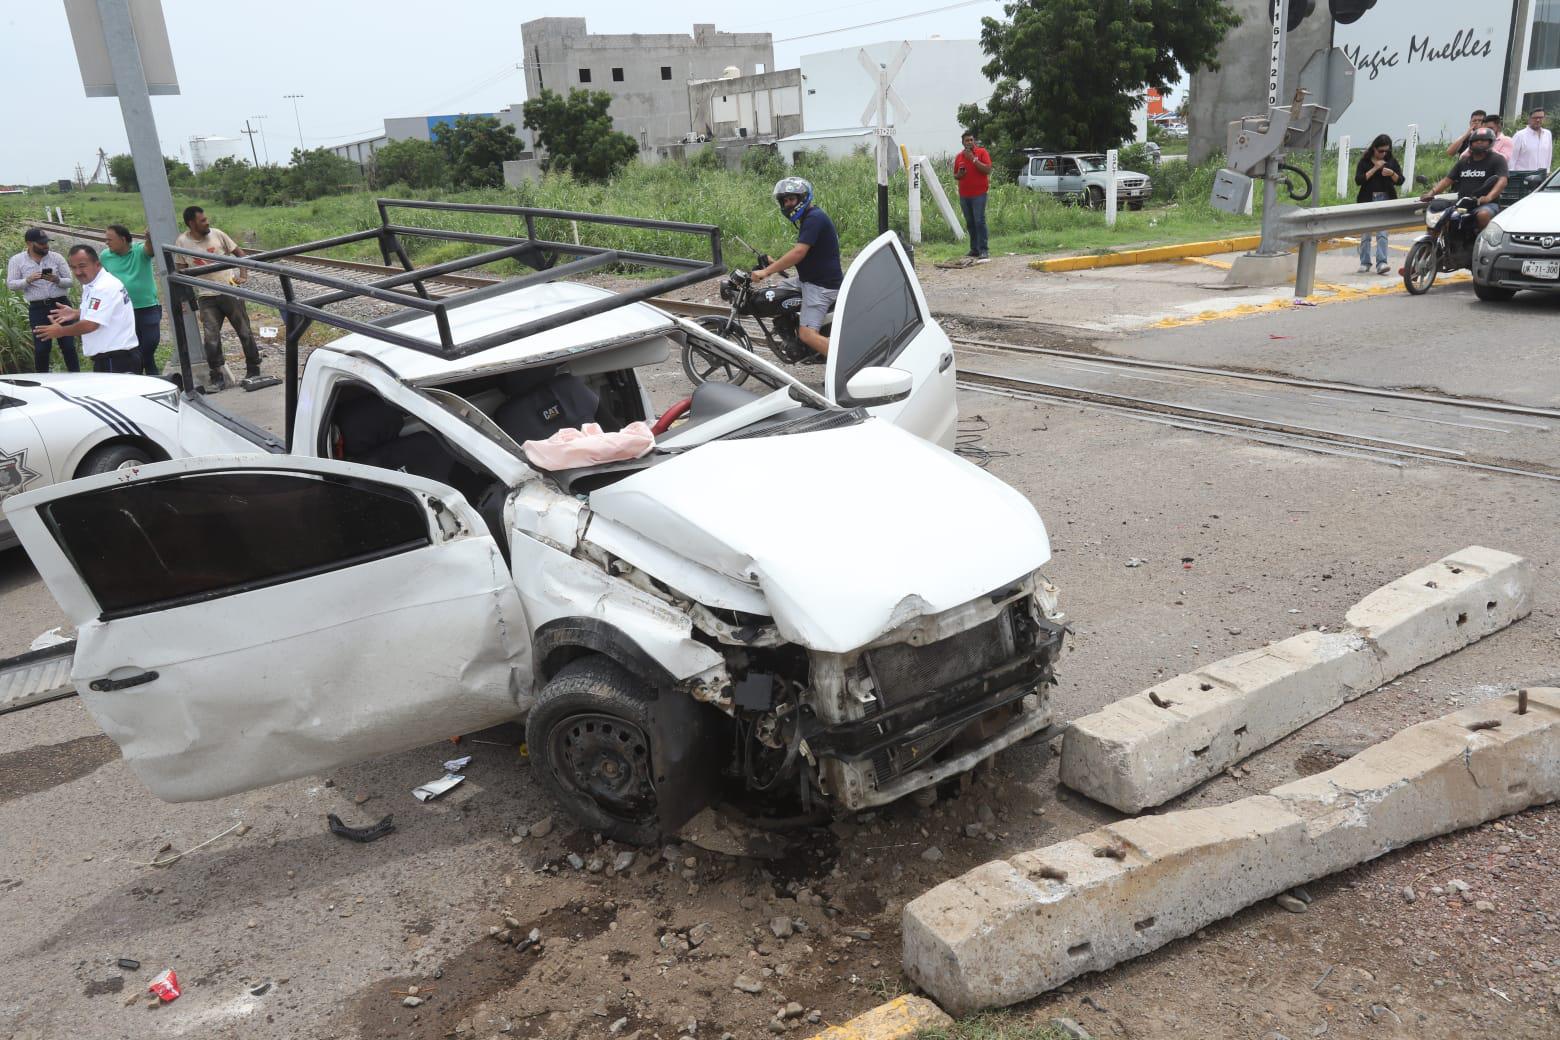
{"x": 1533, "y": 147}
{"x": 105, "y": 321}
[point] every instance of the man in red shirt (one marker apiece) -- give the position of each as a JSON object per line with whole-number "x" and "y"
{"x": 972, "y": 169}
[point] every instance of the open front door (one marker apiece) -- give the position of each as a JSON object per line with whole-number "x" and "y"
{"x": 246, "y": 620}
{"x": 881, "y": 320}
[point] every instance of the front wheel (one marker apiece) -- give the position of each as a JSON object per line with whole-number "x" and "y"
{"x": 1420, "y": 268}
{"x": 1096, "y": 198}
{"x": 114, "y": 456}
{"x": 589, "y": 740}
{"x": 703, "y": 365}
{"x": 1492, "y": 293}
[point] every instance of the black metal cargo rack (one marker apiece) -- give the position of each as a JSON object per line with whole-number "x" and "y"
{"x": 299, "y": 311}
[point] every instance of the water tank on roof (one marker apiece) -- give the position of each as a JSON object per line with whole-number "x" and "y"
{"x": 732, "y": 72}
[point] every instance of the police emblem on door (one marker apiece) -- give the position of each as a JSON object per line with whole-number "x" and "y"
{"x": 14, "y": 474}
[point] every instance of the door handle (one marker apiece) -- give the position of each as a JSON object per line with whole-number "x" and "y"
{"x": 947, "y": 359}
{"x": 109, "y": 685}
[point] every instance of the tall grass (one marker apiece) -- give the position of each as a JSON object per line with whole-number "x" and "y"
{"x": 739, "y": 202}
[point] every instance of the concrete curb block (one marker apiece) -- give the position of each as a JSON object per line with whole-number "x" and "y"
{"x": 1012, "y": 929}
{"x": 900, "y": 1019}
{"x": 1146, "y": 749}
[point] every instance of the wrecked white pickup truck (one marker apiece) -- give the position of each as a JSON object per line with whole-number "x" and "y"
{"x": 797, "y": 598}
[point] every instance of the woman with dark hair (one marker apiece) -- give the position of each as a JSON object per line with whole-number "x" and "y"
{"x": 1378, "y": 175}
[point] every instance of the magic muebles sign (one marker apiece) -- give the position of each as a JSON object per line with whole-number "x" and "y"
{"x": 1427, "y": 62}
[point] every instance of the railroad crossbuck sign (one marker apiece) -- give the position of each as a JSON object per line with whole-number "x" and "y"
{"x": 884, "y": 94}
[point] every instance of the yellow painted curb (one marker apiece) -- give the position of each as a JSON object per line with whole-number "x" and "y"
{"x": 1340, "y": 294}
{"x": 1151, "y": 255}
{"x": 1183, "y": 251}
{"x": 899, "y": 1019}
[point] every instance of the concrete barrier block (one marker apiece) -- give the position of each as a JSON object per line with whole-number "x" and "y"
{"x": 1148, "y": 748}
{"x": 1443, "y": 607}
{"x": 902, "y": 1018}
{"x": 1010, "y": 930}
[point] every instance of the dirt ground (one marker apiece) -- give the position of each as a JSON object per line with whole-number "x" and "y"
{"x": 287, "y": 931}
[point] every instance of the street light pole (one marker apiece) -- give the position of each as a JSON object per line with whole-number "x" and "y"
{"x": 295, "y": 98}
{"x": 264, "y": 146}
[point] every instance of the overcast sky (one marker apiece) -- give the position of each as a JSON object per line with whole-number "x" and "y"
{"x": 356, "y": 62}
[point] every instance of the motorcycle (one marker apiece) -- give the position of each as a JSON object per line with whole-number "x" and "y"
{"x": 1447, "y": 245}
{"x": 776, "y": 309}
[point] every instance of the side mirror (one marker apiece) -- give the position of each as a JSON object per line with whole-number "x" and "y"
{"x": 878, "y": 385}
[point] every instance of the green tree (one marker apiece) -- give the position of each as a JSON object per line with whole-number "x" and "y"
{"x": 227, "y": 179}
{"x": 476, "y": 148}
{"x": 178, "y": 172}
{"x": 577, "y": 134}
{"x": 122, "y": 169}
{"x": 414, "y": 163}
{"x": 318, "y": 172}
{"x": 1068, "y": 73}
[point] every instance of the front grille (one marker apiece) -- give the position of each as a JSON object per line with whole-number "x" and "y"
{"x": 1548, "y": 240}
{"x": 1134, "y": 183}
{"x": 905, "y": 673}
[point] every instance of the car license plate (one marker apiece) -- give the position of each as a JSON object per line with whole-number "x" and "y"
{"x": 1541, "y": 269}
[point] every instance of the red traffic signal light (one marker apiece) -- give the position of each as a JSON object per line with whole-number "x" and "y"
{"x": 1299, "y": 11}
{"x": 1347, "y": 11}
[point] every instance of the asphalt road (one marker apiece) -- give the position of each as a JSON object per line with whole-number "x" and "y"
{"x": 1446, "y": 340}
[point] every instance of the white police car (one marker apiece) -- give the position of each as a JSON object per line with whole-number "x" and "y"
{"x": 57, "y": 426}
{"x": 1521, "y": 247}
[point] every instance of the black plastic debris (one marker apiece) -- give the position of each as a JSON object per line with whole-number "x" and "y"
{"x": 362, "y": 834}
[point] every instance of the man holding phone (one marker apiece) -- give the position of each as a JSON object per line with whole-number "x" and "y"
{"x": 972, "y": 169}
{"x": 41, "y": 276}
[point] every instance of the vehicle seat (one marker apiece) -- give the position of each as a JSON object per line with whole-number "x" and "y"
{"x": 712, "y": 399}
{"x": 370, "y": 429}
{"x": 542, "y": 402}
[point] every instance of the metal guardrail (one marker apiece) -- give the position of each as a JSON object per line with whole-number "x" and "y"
{"x": 1310, "y": 227}
{"x": 36, "y": 677}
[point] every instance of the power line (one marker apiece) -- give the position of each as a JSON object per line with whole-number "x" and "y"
{"x": 885, "y": 21}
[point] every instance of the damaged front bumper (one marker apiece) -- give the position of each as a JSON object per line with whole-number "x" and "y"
{"x": 939, "y": 708}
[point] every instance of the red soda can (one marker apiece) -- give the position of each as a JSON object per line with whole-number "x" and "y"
{"x": 165, "y": 986}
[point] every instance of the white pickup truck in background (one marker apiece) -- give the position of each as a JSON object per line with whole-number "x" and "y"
{"x": 798, "y": 598}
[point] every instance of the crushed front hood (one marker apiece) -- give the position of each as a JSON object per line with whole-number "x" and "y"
{"x": 849, "y": 533}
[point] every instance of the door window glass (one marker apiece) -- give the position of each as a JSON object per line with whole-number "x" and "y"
{"x": 1049, "y": 167}
{"x": 160, "y": 543}
{"x": 879, "y": 318}
{"x": 1544, "y": 46}
{"x": 1069, "y": 168}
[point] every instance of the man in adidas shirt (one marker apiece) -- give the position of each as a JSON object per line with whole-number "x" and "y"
{"x": 105, "y": 321}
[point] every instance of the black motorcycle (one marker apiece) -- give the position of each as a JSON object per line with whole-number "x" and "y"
{"x": 776, "y": 309}
{"x": 1446, "y": 246}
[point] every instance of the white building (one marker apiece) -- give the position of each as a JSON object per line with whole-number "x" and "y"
{"x": 205, "y": 151}
{"x": 937, "y": 77}
{"x": 1431, "y": 62}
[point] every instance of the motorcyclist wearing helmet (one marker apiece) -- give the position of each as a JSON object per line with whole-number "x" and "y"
{"x": 816, "y": 257}
{"x": 1480, "y": 176}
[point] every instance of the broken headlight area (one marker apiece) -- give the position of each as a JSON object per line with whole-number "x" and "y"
{"x": 932, "y": 699}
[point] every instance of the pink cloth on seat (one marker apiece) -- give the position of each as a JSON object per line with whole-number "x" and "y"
{"x": 589, "y": 446}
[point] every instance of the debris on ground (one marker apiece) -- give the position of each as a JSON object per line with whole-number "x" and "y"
{"x": 714, "y": 832}
{"x": 165, "y": 986}
{"x": 129, "y": 964}
{"x": 360, "y": 834}
{"x": 455, "y": 765}
{"x": 434, "y": 788}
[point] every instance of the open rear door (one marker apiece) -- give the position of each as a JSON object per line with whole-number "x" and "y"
{"x": 248, "y": 620}
{"x": 881, "y": 319}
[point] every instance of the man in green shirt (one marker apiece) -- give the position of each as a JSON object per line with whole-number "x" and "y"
{"x": 134, "y": 268}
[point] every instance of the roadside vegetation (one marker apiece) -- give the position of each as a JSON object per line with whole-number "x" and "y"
{"x": 702, "y": 190}
{"x": 996, "y": 1025}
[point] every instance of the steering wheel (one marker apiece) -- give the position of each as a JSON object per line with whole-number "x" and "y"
{"x": 671, "y": 415}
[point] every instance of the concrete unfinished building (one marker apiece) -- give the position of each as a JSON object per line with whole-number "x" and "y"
{"x": 647, "y": 74}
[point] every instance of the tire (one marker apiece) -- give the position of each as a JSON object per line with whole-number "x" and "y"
{"x": 1135, "y": 204}
{"x": 1419, "y": 269}
{"x": 701, "y": 365}
{"x": 589, "y": 741}
{"x": 1096, "y": 198}
{"x": 114, "y": 456}
{"x": 1492, "y": 293}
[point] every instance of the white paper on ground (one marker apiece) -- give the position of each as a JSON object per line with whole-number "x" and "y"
{"x": 434, "y": 788}
{"x": 455, "y": 765}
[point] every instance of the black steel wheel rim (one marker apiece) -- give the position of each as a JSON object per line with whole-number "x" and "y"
{"x": 706, "y": 365}
{"x": 607, "y": 760}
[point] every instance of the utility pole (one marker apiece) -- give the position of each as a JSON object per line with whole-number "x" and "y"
{"x": 1277, "y": 46}
{"x": 251, "y": 135}
{"x": 127, "y": 80}
{"x": 264, "y": 145}
{"x": 295, "y": 98}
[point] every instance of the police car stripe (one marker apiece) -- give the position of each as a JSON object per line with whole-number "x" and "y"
{"x": 134, "y": 429}
{"x": 108, "y": 418}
